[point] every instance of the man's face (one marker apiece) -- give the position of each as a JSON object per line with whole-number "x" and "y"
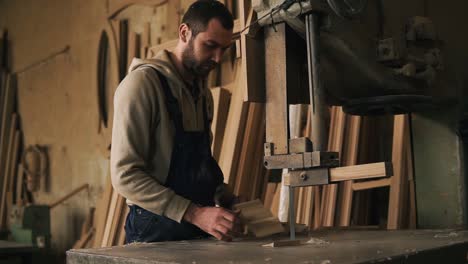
{"x": 204, "y": 51}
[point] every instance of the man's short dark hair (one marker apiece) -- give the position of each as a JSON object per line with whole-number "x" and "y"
{"x": 201, "y": 12}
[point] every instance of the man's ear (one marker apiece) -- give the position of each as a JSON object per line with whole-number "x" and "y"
{"x": 184, "y": 33}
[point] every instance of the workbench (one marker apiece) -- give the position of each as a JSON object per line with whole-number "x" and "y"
{"x": 327, "y": 246}
{"x": 12, "y": 252}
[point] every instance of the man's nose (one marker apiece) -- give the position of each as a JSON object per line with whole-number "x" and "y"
{"x": 218, "y": 55}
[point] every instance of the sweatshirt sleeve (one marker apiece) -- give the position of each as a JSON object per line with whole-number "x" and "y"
{"x": 135, "y": 109}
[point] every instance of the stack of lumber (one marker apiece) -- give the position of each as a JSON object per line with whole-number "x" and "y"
{"x": 330, "y": 205}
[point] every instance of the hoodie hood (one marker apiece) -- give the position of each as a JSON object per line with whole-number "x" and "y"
{"x": 160, "y": 62}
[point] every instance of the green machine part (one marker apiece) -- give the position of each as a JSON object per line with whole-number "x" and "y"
{"x": 35, "y": 226}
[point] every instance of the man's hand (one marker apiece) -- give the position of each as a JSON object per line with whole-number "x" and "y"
{"x": 216, "y": 221}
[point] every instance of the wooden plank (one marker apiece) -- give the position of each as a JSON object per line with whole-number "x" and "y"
{"x": 234, "y": 132}
{"x": 269, "y": 194}
{"x": 396, "y": 194}
{"x": 365, "y": 185}
{"x": 259, "y": 170}
{"x": 253, "y": 63}
{"x": 317, "y": 206}
{"x": 88, "y": 223}
{"x": 258, "y": 219}
{"x": 84, "y": 239}
{"x": 221, "y": 100}
{"x": 276, "y": 200}
{"x": 7, "y": 109}
{"x": 6, "y": 171}
{"x": 335, "y": 144}
{"x": 106, "y": 238}
{"x": 412, "y": 223}
{"x": 244, "y": 175}
{"x": 349, "y": 156}
{"x": 364, "y": 171}
{"x": 100, "y": 216}
{"x": 115, "y": 223}
{"x": 121, "y": 237}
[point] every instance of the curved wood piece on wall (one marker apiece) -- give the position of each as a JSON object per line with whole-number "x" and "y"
{"x": 116, "y": 6}
{"x": 102, "y": 77}
{"x": 107, "y": 77}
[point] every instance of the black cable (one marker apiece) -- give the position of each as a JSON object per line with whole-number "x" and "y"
{"x": 285, "y": 5}
{"x": 349, "y": 12}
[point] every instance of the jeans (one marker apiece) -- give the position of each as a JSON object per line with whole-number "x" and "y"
{"x": 144, "y": 226}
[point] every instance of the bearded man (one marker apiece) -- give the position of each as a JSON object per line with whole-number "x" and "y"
{"x": 161, "y": 159}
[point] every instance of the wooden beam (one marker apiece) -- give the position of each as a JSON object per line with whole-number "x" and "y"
{"x": 116, "y": 6}
{"x": 364, "y": 171}
{"x": 396, "y": 194}
{"x": 365, "y": 185}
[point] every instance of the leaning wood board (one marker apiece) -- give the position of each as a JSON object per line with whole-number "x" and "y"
{"x": 6, "y": 171}
{"x": 335, "y": 143}
{"x": 221, "y": 100}
{"x": 7, "y": 110}
{"x": 100, "y": 216}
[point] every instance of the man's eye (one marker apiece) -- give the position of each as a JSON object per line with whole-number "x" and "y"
{"x": 210, "y": 46}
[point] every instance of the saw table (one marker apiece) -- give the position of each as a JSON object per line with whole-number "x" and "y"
{"x": 321, "y": 247}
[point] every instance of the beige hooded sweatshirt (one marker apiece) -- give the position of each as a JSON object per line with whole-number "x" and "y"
{"x": 143, "y": 134}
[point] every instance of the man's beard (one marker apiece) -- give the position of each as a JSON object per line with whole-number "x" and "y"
{"x": 197, "y": 68}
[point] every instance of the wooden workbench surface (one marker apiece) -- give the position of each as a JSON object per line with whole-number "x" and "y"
{"x": 338, "y": 246}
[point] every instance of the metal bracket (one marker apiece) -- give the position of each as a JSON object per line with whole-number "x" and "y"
{"x": 318, "y": 176}
{"x": 302, "y": 160}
